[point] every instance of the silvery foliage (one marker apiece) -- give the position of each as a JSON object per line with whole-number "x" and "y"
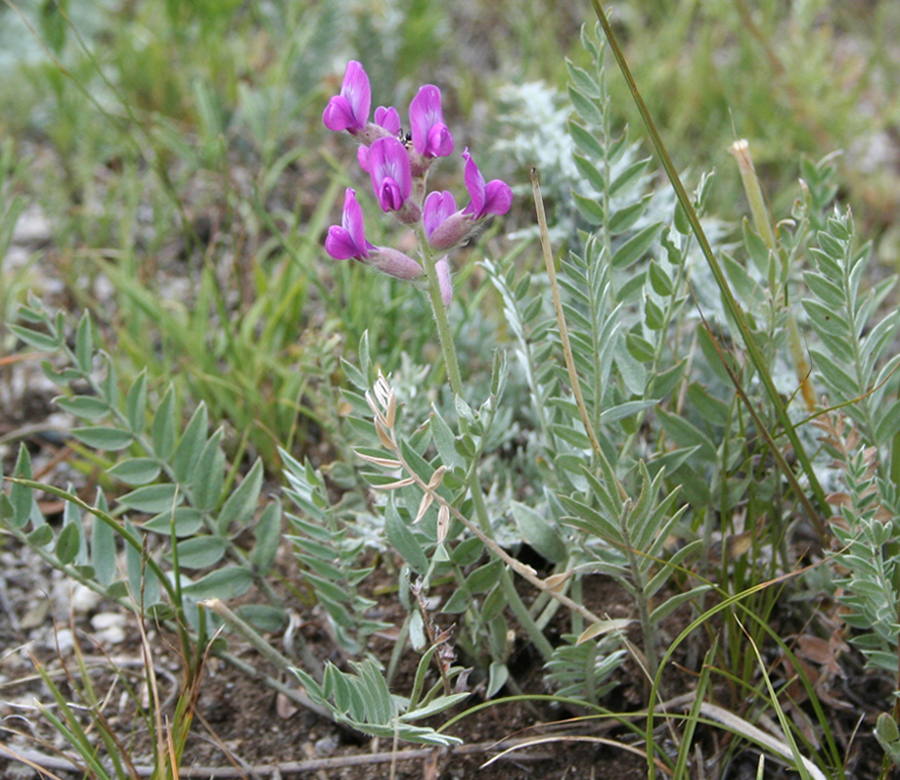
{"x": 852, "y": 361}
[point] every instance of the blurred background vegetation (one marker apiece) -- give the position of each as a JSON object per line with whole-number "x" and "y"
{"x": 170, "y": 161}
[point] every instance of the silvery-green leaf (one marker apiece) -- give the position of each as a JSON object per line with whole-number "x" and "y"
{"x": 686, "y": 435}
{"x": 485, "y": 577}
{"x": 709, "y": 408}
{"x": 757, "y": 249}
{"x": 622, "y": 220}
{"x": 636, "y": 247}
{"x": 586, "y": 141}
{"x": 68, "y": 544}
{"x": 84, "y": 345}
{"x": 103, "y": 547}
{"x": 660, "y": 280}
{"x": 136, "y": 471}
{"x": 21, "y": 497}
{"x": 654, "y": 316}
{"x": 208, "y": 476}
{"x": 354, "y": 375}
{"x": 109, "y": 387}
{"x": 639, "y": 348}
{"x": 263, "y": 617}
{"x": 153, "y": 499}
{"x": 493, "y": 604}
{"x": 190, "y": 445}
{"x": 226, "y": 583}
{"x": 458, "y": 602}
{"x": 40, "y": 536}
{"x": 590, "y": 209}
{"x": 187, "y": 521}
{"x": 33, "y": 338}
{"x": 201, "y": 552}
{"x": 586, "y": 108}
{"x": 497, "y": 677}
{"x": 404, "y": 540}
{"x": 445, "y": 441}
{"x": 136, "y": 403}
{"x": 435, "y": 706}
{"x": 103, "y": 437}
{"x": 583, "y": 80}
{"x": 467, "y": 552}
{"x": 629, "y": 177}
{"x": 241, "y": 504}
{"x": 539, "y": 532}
{"x": 830, "y": 293}
{"x": 267, "y": 534}
{"x": 72, "y": 516}
{"x": 88, "y": 407}
{"x": 826, "y": 319}
{"x": 162, "y": 430}
{"x": 590, "y": 173}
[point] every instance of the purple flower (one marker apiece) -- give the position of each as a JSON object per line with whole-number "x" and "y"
{"x": 349, "y": 240}
{"x": 445, "y": 227}
{"x": 389, "y": 168}
{"x": 495, "y": 197}
{"x": 439, "y": 206}
{"x": 350, "y": 110}
{"x": 430, "y": 136}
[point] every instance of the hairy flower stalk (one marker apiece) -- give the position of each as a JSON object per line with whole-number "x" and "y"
{"x": 398, "y": 168}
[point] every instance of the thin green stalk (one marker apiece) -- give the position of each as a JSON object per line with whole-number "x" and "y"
{"x": 448, "y": 349}
{"x": 731, "y": 304}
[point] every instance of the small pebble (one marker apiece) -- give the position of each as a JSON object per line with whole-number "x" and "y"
{"x": 109, "y": 627}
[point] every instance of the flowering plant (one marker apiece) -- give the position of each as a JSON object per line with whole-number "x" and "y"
{"x": 398, "y": 165}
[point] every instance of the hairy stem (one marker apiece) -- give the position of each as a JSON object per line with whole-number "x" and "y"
{"x": 448, "y": 349}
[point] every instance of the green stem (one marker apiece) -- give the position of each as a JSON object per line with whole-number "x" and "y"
{"x": 441, "y": 318}
{"x": 448, "y": 350}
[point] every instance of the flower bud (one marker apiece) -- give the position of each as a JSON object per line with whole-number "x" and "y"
{"x": 451, "y": 231}
{"x": 394, "y": 263}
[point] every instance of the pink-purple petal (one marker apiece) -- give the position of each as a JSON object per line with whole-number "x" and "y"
{"x": 438, "y": 207}
{"x": 348, "y": 239}
{"x": 440, "y": 142}
{"x": 498, "y": 198}
{"x": 362, "y": 154}
{"x": 358, "y": 92}
{"x": 339, "y": 244}
{"x": 424, "y": 114}
{"x": 474, "y": 184}
{"x": 388, "y": 118}
{"x": 390, "y": 172}
{"x": 352, "y": 220}
{"x": 350, "y": 110}
{"x": 389, "y": 195}
{"x": 338, "y": 114}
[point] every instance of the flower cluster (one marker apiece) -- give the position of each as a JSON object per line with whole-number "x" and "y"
{"x": 398, "y": 164}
